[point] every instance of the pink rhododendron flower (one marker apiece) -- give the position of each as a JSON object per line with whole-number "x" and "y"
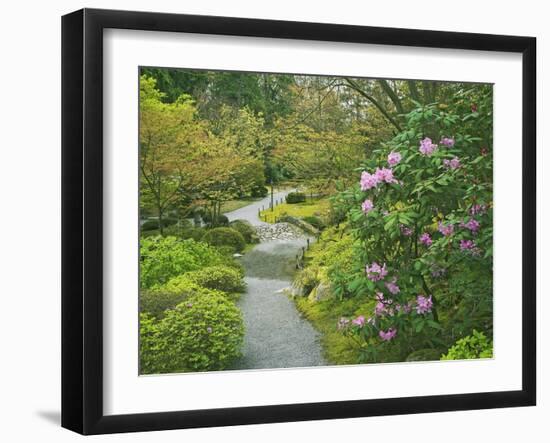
{"x": 394, "y": 158}
{"x": 368, "y": 181}
{"x": 467, "y": 244}
{"x": 426, "y": 239}
{"x": 359, "y": 321}
{"x": 367, "y": 206}
{"x": 385, "y": 175}
{"x": 454, "y": 163}
{"x": 375, "y": 272}
{"x": 472, "y": 224}
{"x": 379, "y": 309}
{"x": 387, "y": 335}
{"x": 427, "y": 147}
{"x": 423, "y": 304}
{"x": 405, "y": 230}
{"x": 392, "y": 287}
{"x": 447, "y": 141}
{"x": 446, "y": 230}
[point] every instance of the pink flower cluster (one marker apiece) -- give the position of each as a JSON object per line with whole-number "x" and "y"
{"x": 359, "y": 321}
{"x": 454, "y": 163}
{"x": 394, "y": 158}
{"x": 423, "y": 304}
{"x": 385, "y": 175}
{"x": 367, "y": 206}
{"x": 388, "y": 335}
{"x": 368, "y": 181}
{"x": 449, "y": 142}
{"x": 446, "y": 230}
{"x": 375, "y": 272}
{"x": 427, "y": 147}
{"x": 426, "y": 239}
{"x": 381, "y": 175}
{"x": 383, "y": 306}
{"x": 392, "y": 287}
{"x": 472, "y": 224}
{"x": 466, "y": 245}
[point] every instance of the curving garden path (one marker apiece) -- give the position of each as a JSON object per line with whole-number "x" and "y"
{"x": 277, "y": 336}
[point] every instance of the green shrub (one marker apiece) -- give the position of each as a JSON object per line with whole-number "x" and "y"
{"x": 221, "y": 220}
{"x": 259, "y": 191}
{"x": 314, "y": 221}
{"x": 152, "y": 350}
{"x": 157, "y": 300}
{"x": 476, "y": 345}
{"x": 165, "y": 257}
{"x": 222, "y": 278}
{"x": 225, "y": 237}
{"x": 200, "y": 334}
{"x": 246, "y": 230}
{"x": 194, "y": 233}
{"x": 150, "y": 225}
{"x": 177, "y": 229}
{"x": 295, "y": 197}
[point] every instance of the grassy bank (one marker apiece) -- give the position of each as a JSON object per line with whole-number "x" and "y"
{"x": 337, "y": 348}
{"x": 318, "y": 207}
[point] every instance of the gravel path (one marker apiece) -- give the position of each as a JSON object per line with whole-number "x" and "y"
{"x": 276, "y": 335}
{"x": 250, "y": 212}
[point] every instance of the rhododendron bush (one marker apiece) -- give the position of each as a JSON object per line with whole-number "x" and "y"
{"x": 422, "y": 213}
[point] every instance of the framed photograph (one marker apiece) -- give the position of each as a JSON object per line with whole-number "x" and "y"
{"x": 269, "y": 221}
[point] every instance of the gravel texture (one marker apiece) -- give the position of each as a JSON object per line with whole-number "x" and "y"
{"x": 276, "y": 335}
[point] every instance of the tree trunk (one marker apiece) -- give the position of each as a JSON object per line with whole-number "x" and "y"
{"x": 160, "y": 214}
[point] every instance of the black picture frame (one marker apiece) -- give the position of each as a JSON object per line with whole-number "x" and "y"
{"x": 82, "y": 218}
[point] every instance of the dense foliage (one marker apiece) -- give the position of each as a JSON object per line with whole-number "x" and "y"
{"x": 420, "y": 217}
{"x": 226, "y": 237}
{"x": 201, "y": 334}
{"x": 223, "y": 278}
{"x": 295, "y": 197}
{"x": 165, "y": 257}
{"x": 159, "y": 300}
{"x": 476, "y": 345}
{"x": 245, "y": 229}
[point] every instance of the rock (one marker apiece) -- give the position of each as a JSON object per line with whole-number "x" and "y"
{"x": 237, "y": 255}
{"x": 278, "y": 231}
{"x": 321, "y": 292}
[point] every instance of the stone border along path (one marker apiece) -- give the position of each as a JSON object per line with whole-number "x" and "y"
{"x": 276, "y": 336}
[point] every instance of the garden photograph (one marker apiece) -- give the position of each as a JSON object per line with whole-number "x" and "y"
{"x": 292, "y": 221}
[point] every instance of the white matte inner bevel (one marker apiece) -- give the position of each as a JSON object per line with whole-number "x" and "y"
{"x": 125, "y": 392}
